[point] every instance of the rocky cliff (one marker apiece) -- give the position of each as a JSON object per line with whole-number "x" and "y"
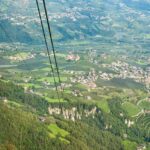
{"x": 74, "y": 113}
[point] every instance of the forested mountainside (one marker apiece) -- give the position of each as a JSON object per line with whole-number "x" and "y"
{"x": 23, "y": 130}
{"x": 26, "y": 124}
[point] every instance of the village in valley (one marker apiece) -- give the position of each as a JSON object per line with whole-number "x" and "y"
{"x": 119, "y": 69}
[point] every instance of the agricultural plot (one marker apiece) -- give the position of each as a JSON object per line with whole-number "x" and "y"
{"x": 51, "y": 80}
{"x": 56, "y": 131}
{"x": 103, "y": 104}
{"x": 131, "y": 109}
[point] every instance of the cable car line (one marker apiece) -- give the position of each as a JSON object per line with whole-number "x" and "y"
{"x": 47, "y": 48}
{"x": 52, "y": 44}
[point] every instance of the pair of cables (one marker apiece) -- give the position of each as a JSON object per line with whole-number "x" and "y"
{"x": 46, "y": 41}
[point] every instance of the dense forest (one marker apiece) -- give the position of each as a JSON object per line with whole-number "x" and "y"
{"x": 21, "y": 129}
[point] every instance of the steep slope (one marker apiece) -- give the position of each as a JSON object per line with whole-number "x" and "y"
{"x": 24, "y": 126}
{"x": 101, "y": 131}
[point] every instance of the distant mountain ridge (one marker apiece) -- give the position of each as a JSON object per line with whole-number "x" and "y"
{"x": 94, "y": 21}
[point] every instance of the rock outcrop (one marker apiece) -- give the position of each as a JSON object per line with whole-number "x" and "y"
{"x": 73, "y": 113}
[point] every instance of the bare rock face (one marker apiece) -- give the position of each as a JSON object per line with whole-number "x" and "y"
{"x": 73, "y": 113}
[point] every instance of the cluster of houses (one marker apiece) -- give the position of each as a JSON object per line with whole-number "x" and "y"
{"x": 72, "y": 57}
{"x": 57, "y": 16}
{"x": 117, "y": 69}
{"x": 87, "y": 80}
{"x": 123, "y": 70}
